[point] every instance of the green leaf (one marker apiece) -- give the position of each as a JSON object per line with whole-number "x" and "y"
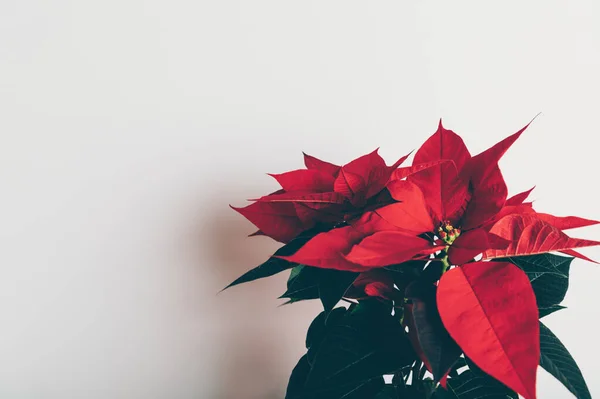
{"x": 388, "y": 392}
{"x": 350, "y": 350}
{"x": 308, "y": 282}
{"x": 333, "y": 284}
{"x": 302, "y": 284}
{"x": 557, "y": 360}
{"x": 549, "y": 310}
{"x": 460, "y": 363}
{"x": 318, "y": 328}
{"x": 542, "y": 263}
{"x": 474, "y": 385}
{"x": 298, "y": 377}
{"x": 360, "y": 390}
{"x": 413, "y": 267}
{"x": 549, "y": 276}
{"x": 549, "y": 288}
{"x": 275, "y": 265}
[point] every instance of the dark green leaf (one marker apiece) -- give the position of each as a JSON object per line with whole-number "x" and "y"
{"x": 414, "y": 267}
{"x": 549, "y": 276}
{"x": 275, "y": 265}
{"x": 441, "y": 393}
{"x": 388, "y": 392}
{"x": 294, "y": 273}
{"x": 475, "y": 368}
{"x": 410, "y": 392}
{"x": 433, "y": 272}
{"x": 399, "y": 390}
{"x": 549, "y": 310}
{"x": 361, "y": 390}
{"x": 307, "y": 282}
{"x": 318, "y": 328}
{"x": 439, "y": 348}
{"x": 542, "y": 263}
{"x": 460, "y": 363}
{"x": 333, "y": 284}
{"x": 351, "y": 350}
{"x": 302, "y": 284}
{"x": 473, "y": 385}
{"x": 549, "y": 288}
{"x": 316, "y": 334}
{"x": 298, "y": 377}
{"x": 557, "y": 360}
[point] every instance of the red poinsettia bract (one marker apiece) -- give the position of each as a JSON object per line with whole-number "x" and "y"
{"x": 323, "y": 193}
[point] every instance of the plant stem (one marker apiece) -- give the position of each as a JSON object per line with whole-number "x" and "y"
{"x": 444, "y": 260}
{"x": 446, "y": 264}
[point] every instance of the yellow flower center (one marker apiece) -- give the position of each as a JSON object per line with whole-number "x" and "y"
{"x": 447, "y": 232}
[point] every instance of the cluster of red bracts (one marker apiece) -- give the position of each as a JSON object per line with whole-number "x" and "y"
{"x": 448, "y": 207}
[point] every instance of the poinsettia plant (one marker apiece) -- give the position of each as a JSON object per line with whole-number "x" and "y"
{"x": 442, "y": 277}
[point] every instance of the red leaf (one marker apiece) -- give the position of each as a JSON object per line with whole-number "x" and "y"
{"x": 276, "y": 220}
{"x": 374, "y": 283}
{"x": 411, "y": 213}
{"x": 304, "y": 197}
{"x": 381, "y": 290}
{"x": 305, "y": 180}
{"x": 364, "y": 165}
{"x": 316, "y": 164}
{"x": 379, "y": 177}
{"x": 530, "y": 235}
{"x": 472, "y": 243}
{"x": 310, "y": 207}
{"x": 310, "y": 213}
{"x": 572, "y": 252}
{"x": 372, "y": 276}
{"x": 522, "y": 209}
{"x": 364, "y": 177}
{"x": 445, "y": 193}
{"x": 490, "y": 310}
{"x": 378, "y": 283}
{"x": 488, "y": 186}
{"x": 518, "y": 199}
{"x": 326, "y": 250}
{"x": 487, "y": 199}
{"x": 398, "y": 163}
{"x": 385, "y": 248}
{"x": 401, "y": 173}
{"x": 351, "y": 186}
{"x": 482, "y": 164}
{"x": 566, "y": 222}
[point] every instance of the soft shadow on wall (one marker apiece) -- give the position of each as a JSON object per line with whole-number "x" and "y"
{"x": 258, "y": 342}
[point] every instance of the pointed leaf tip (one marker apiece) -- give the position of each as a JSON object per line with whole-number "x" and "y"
{"x": 519, "y": 199}
{"x": 557, "y": 360}
{"x": 534, "y": 118}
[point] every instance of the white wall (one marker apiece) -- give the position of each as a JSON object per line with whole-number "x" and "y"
{"x": 127, "y": 127}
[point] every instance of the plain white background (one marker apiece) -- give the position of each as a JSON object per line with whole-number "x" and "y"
{"x": 127, "y": 127}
